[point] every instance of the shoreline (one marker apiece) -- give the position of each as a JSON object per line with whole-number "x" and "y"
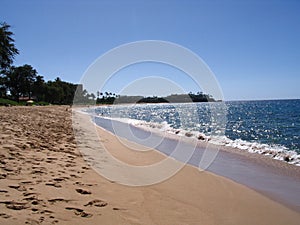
{"x": 276, "y": 152}
{"x": 45, "y": 179}
{"x": 276, "y": 179}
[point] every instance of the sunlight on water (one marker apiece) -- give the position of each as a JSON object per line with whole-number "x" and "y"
{"x": 266, "y": 127}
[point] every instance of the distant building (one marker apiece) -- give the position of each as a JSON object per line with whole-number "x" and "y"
{"x": 26, "y": 98}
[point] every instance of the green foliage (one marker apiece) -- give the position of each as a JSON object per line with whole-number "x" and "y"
{"x": 7, "y": 47}
{"x": 199, "y": 97}
{"x": 20, "y": 81}
{"x": 152, "y": 100}
{"x": 23, "y": 82}
{"x": 7, "y": 102}
{"x": 59, "y": 92}
{"x": 42, "y": 103}
{"x": 2, "y": 87}
{"x": 106, "y": 98}
{"x": 110, "y": 98}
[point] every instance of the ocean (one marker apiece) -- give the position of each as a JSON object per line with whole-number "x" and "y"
{"x": 269, "y": 127}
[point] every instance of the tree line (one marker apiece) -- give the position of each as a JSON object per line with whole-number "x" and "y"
{"x": 110, "y": 98}
{"x": 23, "y": 82}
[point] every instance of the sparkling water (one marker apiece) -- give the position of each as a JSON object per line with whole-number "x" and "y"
{"x": 267, "y": 127}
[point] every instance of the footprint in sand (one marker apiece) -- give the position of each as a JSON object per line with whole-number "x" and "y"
{"x": 26, "y": 182}
{"x": 5, "y": 216}
{"x": 18, "y": 187}
{"x": 15, "y": 205}
{"x": 8, "y": 169}
{"x": 80, "y": 212}
{"x": 83, "y": 192}
{"x": 35, "y": 222}
{"x": 28, "y": 193}
{"x": 74, "y": 176}
{"x": 51, "y": 159}
{"x": 81, "y": 184}
{"x": 53, "y": 184}
{"x": 31, "y": 198}
{"x": 54, "y": 200}
{"x": 58, "y": 179}
{"x": 97, "y": 203}
{"x": 38, "y": 172}
{"x": 32, "y": 222}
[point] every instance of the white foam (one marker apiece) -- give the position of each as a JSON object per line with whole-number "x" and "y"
{"x": 275, "y": 151}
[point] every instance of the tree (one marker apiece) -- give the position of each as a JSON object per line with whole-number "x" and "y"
{"x": 52, "y": 93}
{"x": 61, "y": 92}
{"x": 20, "y": 80}
{"x": 2, "y": 87}
{"x": 7, "y": 47}
{"x": 38, "y": 89}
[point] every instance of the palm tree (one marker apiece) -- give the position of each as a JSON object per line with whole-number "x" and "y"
{"x": 7, "y": 47}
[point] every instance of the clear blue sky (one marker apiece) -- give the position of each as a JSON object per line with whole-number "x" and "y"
{"x": 252, "y": 47}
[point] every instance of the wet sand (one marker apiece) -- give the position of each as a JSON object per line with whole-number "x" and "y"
{"x": 276, "y": 179}
{"x": 45, "y": 180}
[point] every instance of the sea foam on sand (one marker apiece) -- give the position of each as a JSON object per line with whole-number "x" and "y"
{"x": 276, "y": 152}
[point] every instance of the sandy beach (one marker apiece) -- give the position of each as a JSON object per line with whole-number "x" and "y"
{"x": 45, "y": 180}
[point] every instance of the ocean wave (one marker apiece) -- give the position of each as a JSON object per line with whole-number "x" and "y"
{"x": 276, "y": 152}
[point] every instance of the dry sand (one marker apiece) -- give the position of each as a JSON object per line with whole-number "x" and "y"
{"x": 44, "y": 180}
